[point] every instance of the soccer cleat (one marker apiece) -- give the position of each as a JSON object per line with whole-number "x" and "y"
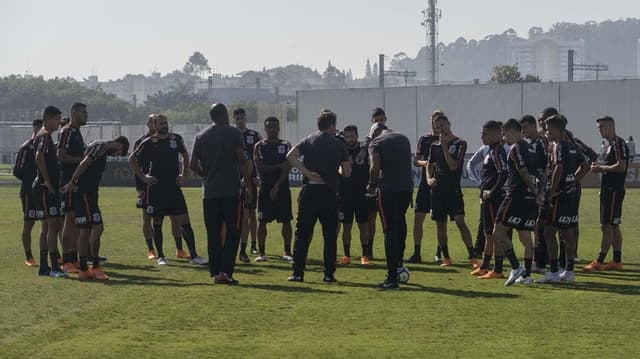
{"x": 85, "y": 275}
{"x": 181, "y": 254}
{"x": 57, "y": 274}
{"x": 446, "y": 262}
{"x": 549, "y": 277}
{"x": 31, "y": 262}
{"x": 244, "y": 258}
{"x": 479, "y": 272}
{"x": 329, "y": 279}
{"x": 567, "y": 276}
{"x": 593, "y": 266}
{"x": 199, "y": 260}
{"x": 577, "y": 260}
{"x": 69, "y": 268}
{"x": 492, "y": 275}
{"x": 364, "y": 260}
{"x": 260, "y": 258}
{"x": 162, "y": 261}
{"x": 415, "y": 258}
{"x": 437, "y": 259}
{"x": 344, "y": 261}
{"x": 254, "y": 249}
{"x": 295, "y": 278}
{"x": 524, "y": 280}
{"x": 151, "y": 254}
{"x": 612, "y": 266}
{"x": 98, "y": 273}
{"x": 474, "y": 263}
{"x": 387, "y": 284}
{"x": 287, "y": 258}
{"x": 224, "y": 278}
{"x": 513, "y": 275}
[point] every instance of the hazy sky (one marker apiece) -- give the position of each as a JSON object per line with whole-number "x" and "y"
{"x": 114, "y": 37}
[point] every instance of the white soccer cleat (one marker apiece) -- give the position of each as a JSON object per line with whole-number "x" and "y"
{"x": 287, "y": 258}
{"x": 261, "y": 258}
{"x": 162, "y": 261}
{"x": 199, "y": 260}
{"x": 549, "y": 277}
{"x": 524, "y": 280}
{"x": 513, "y": 275}
{"x": 567, "y": 276}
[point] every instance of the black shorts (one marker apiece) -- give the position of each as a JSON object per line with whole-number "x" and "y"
{"x": 564, "y": 211}
{"x": 166, "y": 201}
{"x": 66, "y": 202}
{"x": 611, "y": 205}
{"x": 372, "y": 204}
{"x": 446, "y": 203}
{"x": 29, "y": 211}
{"x": 488, "y": 213}
{"x": 279, "y": 210}
{"x": 254, "y": 198}
{"x": 351, "y": 206}
{"x": 518, "y": 213}
{"x": 48, "y": 204}
{"x": 423, "y": 199}
{"x": 87, "y": 211}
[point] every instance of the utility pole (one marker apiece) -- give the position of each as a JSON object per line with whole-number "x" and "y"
{"x": 573, "y": 66}
{"x": 431, "y": 17}
{"x": 381, "y": 70}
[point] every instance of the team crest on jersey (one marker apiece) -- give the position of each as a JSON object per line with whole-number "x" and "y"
{"x": 150, "y": 209}
{"x": 250, "y": 140}
{"x": 282, "y": 149}
{"x": 452, "y": 149}
{"x": 53, "y": 211}
{"x": 97, "y": 218}
{"x": 173, "y": 144}
{"x": 260, "y": 216}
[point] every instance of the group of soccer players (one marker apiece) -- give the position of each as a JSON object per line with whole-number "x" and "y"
{"x": 529, "y": 183}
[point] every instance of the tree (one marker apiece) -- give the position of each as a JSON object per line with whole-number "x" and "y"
{"x": 197, "y": 65}
{"x": 505, "y": 74}
{"x": 531, "y": 78}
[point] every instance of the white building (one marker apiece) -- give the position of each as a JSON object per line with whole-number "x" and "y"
{"x": 546, "y": 58}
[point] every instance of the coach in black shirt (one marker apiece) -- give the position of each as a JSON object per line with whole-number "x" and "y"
{"x": 391, "y": 174}
{"x": 218, "y": 156}
{"x": 324, "y": 155}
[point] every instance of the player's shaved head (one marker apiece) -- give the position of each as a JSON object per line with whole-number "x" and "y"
{"x": 219, "y": 113}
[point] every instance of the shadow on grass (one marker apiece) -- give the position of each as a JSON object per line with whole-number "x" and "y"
{"x": 612, "y": 275}
{"x": 300, "y": 288}
{"x": 622, "y": 289}
{"x": 412, "y": 287}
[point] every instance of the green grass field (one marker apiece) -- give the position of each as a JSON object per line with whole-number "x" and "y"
{"x": 175, "y": 311}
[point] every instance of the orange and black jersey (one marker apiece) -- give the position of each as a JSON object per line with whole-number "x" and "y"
{"x": 70, "y": 139}
{"x": 44, "y": 143}
{"x": 141, "y": 186}
{"x": 494, "y": 170}
{"x": 274, "y": 154}
{"x": 90, "y": 179}
{"x": 618, "y": 151}
{"x": 446, "y": 177}
{"x": 424, "y": 149}
{"x": 25, "y": 168}
{"x": 570, "y": 157}
{"x": 518, "y": 159}
{"x": 162, "y": 156}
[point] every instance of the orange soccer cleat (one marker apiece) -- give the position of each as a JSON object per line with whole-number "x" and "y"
{"x": 345, "y": 261}
{"x": 492, "y": 275}
{"x": 593, "y": 266}
{"x": 613, "y": 266}
{"x": 479, "y": 272}
{"x": 31, "y": 262}
{"x": 98, "y": 273}
{"x": 85, "y": 275}
{"x": 474, "y": 263}
{"x": 151, "y": 254}
{"x": 180, "y": 253}
{"x": 364, "y": 260}
{"x": 446, "y": 262}
{"x": 69, "y": 268}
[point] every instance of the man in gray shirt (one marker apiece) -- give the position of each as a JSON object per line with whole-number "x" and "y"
{"x": 219, "y": 158}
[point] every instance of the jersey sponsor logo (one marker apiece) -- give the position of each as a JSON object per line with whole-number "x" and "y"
{"x": 81, "y": 220}
{"x": 570, "y": 178}
{"x": 514, "y": 220}
{"x": 282, "y": 149}
{"x": 530, "y": 223}
{"x": 616, "y": 221}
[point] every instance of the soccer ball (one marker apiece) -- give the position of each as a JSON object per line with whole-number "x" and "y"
{"x": 403, "y": 275}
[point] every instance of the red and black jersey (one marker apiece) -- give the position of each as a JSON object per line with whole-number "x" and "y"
{"x": 518, "y": 159}
{"x": 90, "y": 179}
{"x": 44, "y": 143}
{"x": 70, "y": 139}
{"x": 424, "y": 149}
{"x": 618, "y": 151}
{"x": 162, "y": 156}
{"x": 569, "y": 157}
{"x": 25, "y": 168}
{"x": 494, "y": 170}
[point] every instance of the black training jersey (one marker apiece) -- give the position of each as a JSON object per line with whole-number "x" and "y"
{"x": 250, "y": 138}
{"x": 274, "y": 154}
{"x": 446, "y": 177}
{"x": 422, "y": 152}
{"x": 44, "y": 143}
{"x": 569, "y": 157}
{"x": 518, "y": 159}
{"x": 70, "y": 139}
{"x": 162, "y": 156}
{"x": 618, "y": 151}
{"x": 540, "y": 156}
{"x": 396, "y": 171}
{"x": 323, "y": 153}
{"x": 140, "y": 186}
{"x": 25, "y": 168}
{"x": 90, "y": 179}
{"x": 587, "y": 152}
{"x": 494, "y": 170}
{"x": 357, "y": 183}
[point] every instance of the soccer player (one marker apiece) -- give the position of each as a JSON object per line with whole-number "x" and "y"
{"x": 561, "y": 199}
{"x": 325, "y": 157}
{"x": 250, "y": 138}
{"x": 423, "y": 198}
{"x": 518, "y": 209}
{"x": 614, "y": 174}
{"x": 391, "y": 175}
{"x": 165, "y": 197}
{"x": 142, "y": 190}
{"x": 274, "y": 199}
{"x": 83, "y": 185}
{"x": 352, "y": 198}
{"x": 219, "y": 158}
{"x": 71, "y": 148}
{"x": 492, "y": 179}
{"x": 444, "y": 170}
{"x": 25, "y": 170}
{"x": 45, "y": 190}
